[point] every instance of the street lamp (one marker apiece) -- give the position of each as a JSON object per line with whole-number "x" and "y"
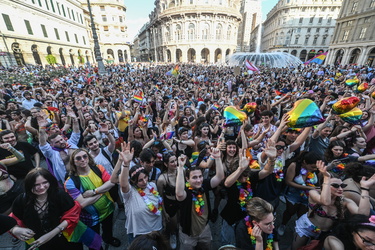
{"x": 98, "y": 56}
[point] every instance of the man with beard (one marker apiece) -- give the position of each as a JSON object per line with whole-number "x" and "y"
{"x": 58, "y": 150}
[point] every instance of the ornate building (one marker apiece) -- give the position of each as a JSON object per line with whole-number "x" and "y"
{"x": 109, "y": 16}
{"x": 354, "y": 38}
{"x": 191, "y": 30}
{"x": 36, "y": 32}
{"x": 300, "y": 27}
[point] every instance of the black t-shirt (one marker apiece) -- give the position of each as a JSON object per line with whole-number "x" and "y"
{"x": 20, "y": 169}
{"x": 6, "y": 223}
{"x": 269, "y": 188}
{"x": 232, "y": 212}
{"x": 58, "y": 203}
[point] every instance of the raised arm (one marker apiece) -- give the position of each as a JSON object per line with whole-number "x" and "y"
{"x": 300, "y": 139}
{"x": 323, "y": 198}
{"x": 127, "y": 155}
{"x": 180, "y": 180}
{"x": 219, "y": 176}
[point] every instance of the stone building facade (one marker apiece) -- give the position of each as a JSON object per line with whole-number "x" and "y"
{"x": 354, "y": 38}
{"x": 36, "y": 31}
{"x": 109, "y": 16}
{"x": 191, "y": 31}
{"x": 302, "y": 28}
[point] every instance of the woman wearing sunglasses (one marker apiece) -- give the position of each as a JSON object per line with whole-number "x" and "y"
{"x": 89, "y": 184}
{"x": 327, "y": 206}
{"x": 358, "y": 232}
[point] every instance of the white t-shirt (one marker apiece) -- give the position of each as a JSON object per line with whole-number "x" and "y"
{"x": 139, "y": 219}
{"x": 100, "y": 159}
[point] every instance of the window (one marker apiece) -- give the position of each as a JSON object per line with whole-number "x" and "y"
{"x": 67, "y": 36}
{"x": 306, "y": 40}
{"x": 191, "y": 1}
{"x": 354, "y": 7}
{"x": 296, "y": 40}
{"x": 40, "y": 3}
{"x": 122, "y": 29}
{"x": 68, "y": 10}
{"x": 76, "y": 37}
{"x": 301, "y": 20}
{"x": 345, "y": 36}
{"x": 102, "y": 8}
{"x": 57, "y": 34}
{"x": 206, "y": 31}
{"x": 317, "y": 29}
{"x": 372, "y": 4}
{"x": 104, "y": 18}
{"x": 326, "y": 30}
{"x": 8, "y": 23}
{"x": 311, "y": 19}
{"x": 84, "y": 40}
{"x": 178, "y": 32}
{"x": 219, "y": 31}
{"x": 309, "y": 30}
{"x": 350, "y": 23}
{"x": 324, "y": 40}
{"x": 191, "y": 31}
{"x": 120, "y": 19}
{"x": 299, "y": 30}
{"x": 320, "y": 20}
{"x": 52, "y": 5}
{"x": 28, "y": 27}
{"x": 80, "y": 17}
{"x": 63, "y": 9}
{"x": 303, "y": 9}
{"x": 44, "y": 30}
{"x": 73, "y": 16}
{"x": 329, "y": 20}
{"x": 315, "y": 40}
{"x": 47, "y": 4}
{"x": 58, "y": 8}
{"x": 363, "y": 33}
{"x": 105, "y": 28}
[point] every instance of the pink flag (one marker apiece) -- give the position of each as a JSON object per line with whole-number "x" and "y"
{"x": 251, "y": 66}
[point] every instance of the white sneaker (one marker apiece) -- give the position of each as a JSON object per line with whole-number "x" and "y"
{"x": 281, "y": 230}
{"x": 173, "y": 241}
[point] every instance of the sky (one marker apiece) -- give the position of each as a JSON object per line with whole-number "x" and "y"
{"x": 137, "y": 12}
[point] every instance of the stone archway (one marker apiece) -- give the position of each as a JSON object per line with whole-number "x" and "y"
{"x": 120, "y": 56}
{"x": 218, "y": 55}
{"x": 338, "y": 57}
{"x": 34, "y": 50}
{"x": 205, "y": 55}
{"x": 110, "y": 56}
{"x": 302, "y": 55}
{"x": 126, "y": 55}
{"x": 178, "y": 55}
{"x": 71, "y": 55}
{"x": 311, "y": 54}
{"x": 62, "y": 58}
{"x": 227, "y": 52}
{"x": 294, "y": 52}
{"x": 169, "y": 56}
{"x": 354, "y": 55}
{"x": 191, "y": 55}
{"x": 371, "y": 58}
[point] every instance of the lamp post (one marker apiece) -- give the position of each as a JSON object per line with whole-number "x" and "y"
{"x": 98, "y": 56}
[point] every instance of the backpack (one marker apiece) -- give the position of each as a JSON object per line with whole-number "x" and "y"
{"x": 77, "y": 181}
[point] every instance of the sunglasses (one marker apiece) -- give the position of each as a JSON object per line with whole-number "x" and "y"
{"x": 79, "y": 158}
{"x": 278, "y": 147}
{"x": 367, "y": 243}
{"x": 342, "y": 185}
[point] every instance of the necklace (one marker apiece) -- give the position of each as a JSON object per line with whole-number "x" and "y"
{"x": 250, "y": 230}
{"x": 149, "y": 204}
{"x": 245, "y": 194}
{"x": 310, "y": 181}
{"x": 278, "y": 169}
{"x": 197, "y": 199}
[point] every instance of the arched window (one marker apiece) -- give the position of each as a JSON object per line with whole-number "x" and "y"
{"x": 191, "y": 31}
{"x": 219, "y": 32}
{"x": 178, "y": 32}
{"x": 229, "y": 32}
{"x": 206, "y": 31}
{"x": 167, "y": 33}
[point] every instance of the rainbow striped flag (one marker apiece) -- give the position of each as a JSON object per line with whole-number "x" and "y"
{"x": 215, "y": 106}
{"x": 138, "y": 98}
{"x": 169, "y": 135}
{"x": 317, "y": 59}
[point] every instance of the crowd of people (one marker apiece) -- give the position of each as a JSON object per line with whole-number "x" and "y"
{"x": 159, "y": 147}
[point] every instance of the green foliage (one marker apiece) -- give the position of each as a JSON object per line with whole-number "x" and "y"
{"x": 51, "y": 59}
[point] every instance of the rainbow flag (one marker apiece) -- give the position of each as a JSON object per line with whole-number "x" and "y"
{"x": 317, "y": 59}
{"x": 169, "y": 135}
{"x": 138, "y": 98}
{"x": 176, "y": 71}
{"x": 215, "y": 106}
{"x": 250, "y": 66}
